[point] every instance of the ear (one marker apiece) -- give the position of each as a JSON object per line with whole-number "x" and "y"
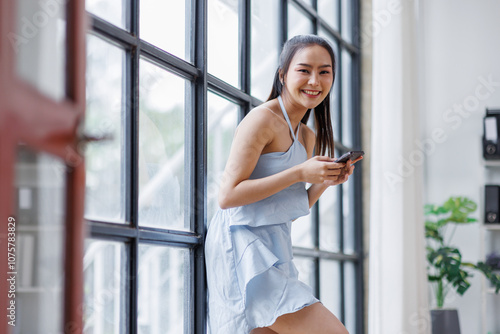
{"x": 281, "y": 76}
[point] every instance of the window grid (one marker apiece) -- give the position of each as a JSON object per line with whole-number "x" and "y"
{"x": 196, "y": 146}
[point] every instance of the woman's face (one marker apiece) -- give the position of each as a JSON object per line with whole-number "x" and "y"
{"x": 309, "y": 77}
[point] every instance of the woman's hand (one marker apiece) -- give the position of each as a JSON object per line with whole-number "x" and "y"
{"x": 315, "y": 191}
{"x": 344, "y": 174}
{"x": 321, "y": 169}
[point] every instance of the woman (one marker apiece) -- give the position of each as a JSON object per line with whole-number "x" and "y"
{"x": 252, "y": 281}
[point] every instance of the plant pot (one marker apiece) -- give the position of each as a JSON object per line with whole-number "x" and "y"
{"x": 445, "y": 321}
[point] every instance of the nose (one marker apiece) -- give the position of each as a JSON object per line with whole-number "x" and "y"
{"x": 314, "y": 79}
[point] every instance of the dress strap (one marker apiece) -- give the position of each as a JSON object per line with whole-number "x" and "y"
{"x": 286, "y": 117}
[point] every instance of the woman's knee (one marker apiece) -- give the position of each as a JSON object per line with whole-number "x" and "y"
{"x": 262, "y": 330}
{"x": 343, "y": 330}
{"x": 315, "y": 318}
{"x": 338, "y": 328}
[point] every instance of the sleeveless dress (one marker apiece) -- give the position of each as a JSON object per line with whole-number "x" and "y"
{"x": 250, "y": 274}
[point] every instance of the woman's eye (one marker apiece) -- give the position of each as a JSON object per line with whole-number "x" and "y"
{"x": 303, "y": 71}
{"x": 325, "y": 72}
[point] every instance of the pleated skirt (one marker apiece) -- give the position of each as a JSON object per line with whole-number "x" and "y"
{"x": 251, "y": 277}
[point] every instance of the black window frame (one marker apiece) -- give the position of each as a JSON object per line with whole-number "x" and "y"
{"x": 196, "y": 146}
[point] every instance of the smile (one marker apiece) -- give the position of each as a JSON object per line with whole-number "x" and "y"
{"x": 312, "y": 92}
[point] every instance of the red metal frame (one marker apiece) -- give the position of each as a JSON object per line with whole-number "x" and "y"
{"x": 52, "y": 127}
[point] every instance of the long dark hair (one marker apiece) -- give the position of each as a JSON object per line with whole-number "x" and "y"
{"x": 324, "y": 131}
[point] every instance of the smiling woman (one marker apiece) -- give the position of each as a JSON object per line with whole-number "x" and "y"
{"x": 252, "y": 281}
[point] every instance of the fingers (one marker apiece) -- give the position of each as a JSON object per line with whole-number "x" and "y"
{"x": 330, "y": 164}
{"x": 335, "y": 165}
{"x": 357, "y": 159}
{"x": 331, "y": 161}
{"x": 351, "y": 170}
{"x": 323, "y": 158}
{"x": 326, "y": 158}
{"x": 340, "y": 178}
{"x": 323, "y": 169}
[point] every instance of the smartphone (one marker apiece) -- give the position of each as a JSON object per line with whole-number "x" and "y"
{"x": 353, "y": 155}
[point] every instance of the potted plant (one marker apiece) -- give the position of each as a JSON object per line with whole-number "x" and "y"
{"x": 445, "y": 269}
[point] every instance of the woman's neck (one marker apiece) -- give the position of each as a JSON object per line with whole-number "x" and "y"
{"x": 294, "y": 110}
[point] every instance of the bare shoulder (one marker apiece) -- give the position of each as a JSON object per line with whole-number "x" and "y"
{"x": 309, "y": 137}
{"x": 268, "y": 110}
{"x": 263, "y": 118}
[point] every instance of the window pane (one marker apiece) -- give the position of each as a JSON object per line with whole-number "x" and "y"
{"x": 335, "y": 98}
{"x": 309, "y": 2}
{"x": 104, "y": 161}
{"x": 265, "y": 52}
{"x": 302, "y": 235}
{"x": 350, "y": 296}
{"x": 329, "y": 11}
{"x": 348, "y": 211}
{"x": 298, "y": 22}
{"x": 222, "y": 122}
{"x": 330, "y": 286}
{"x": 163, "y": 302}
{"x": 305, "y": 267}
{"x": 161, "y": 148}
{"x": 166, "y": 24}
{"x": 329, "y": 224}
{"x": 223, "y": 41}
{"x": 347, "y": 8}
{"x": 346, "y": 99}
{"x": 39, "y": 242}
{"x": 40, "y": 45}
{"x": 105, "y": 270}
{"x": 112, "y": 11}
{"x": 335, "y": 93}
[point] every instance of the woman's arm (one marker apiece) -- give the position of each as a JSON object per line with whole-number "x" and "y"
{"x": 257, "y": 130}
{"x": 314, "y": 192}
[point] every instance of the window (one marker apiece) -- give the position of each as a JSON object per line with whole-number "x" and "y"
{"x": 169, "y": 82}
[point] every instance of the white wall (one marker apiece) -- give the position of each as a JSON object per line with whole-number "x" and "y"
{"x": 460, "y": 46}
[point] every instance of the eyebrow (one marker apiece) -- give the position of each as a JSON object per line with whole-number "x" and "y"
{"x": 307, "y": 65}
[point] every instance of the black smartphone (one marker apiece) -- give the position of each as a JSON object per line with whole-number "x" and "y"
{"x": 353, "y": 155}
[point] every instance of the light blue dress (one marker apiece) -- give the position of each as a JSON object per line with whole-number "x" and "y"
{"x": 250, "y": 274}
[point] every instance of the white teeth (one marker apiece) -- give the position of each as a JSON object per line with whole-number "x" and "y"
{"x": 310, "y": 92}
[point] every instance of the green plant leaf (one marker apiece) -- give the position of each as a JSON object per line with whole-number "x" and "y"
{"x": 461, "y": 286}
{"x": 442, "y": 222}
{"x": 432, "y": 231}
{"x": 493, "y": 277}
{"x": 445, "y": 266}
{"x": 460, "y": 208}
{"x": 430, "y": 209}
{"x": 448, "y": 261}
{"x": 430, "y": 224}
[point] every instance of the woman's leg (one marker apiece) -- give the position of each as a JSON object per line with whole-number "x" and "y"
{"x": 262, "y": 330}
{"x": 313, "y": 319}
